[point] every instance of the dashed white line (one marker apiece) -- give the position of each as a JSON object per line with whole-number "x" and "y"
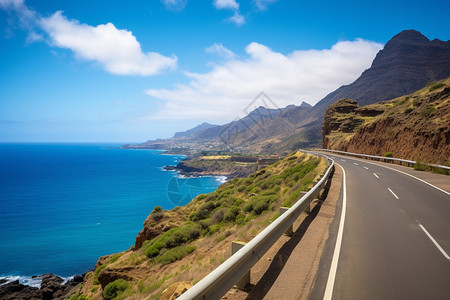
{"x": 393, "y": 193}
{"x": 343, "y": 160}
{"x": 434, "y": 242}
{"x": 376, "y": 176}
{"x": 337, "y": 249}
{"x": 356, "y": 164}
{"x": 366, "y": 168}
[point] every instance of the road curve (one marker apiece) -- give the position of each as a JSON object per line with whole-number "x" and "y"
{"x": 395, "y": 238}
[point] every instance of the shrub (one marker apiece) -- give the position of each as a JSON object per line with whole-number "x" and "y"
{"x": 420, "y": 166}
{"x": 173, "y": 238}
{"x": 436, "y": 86}
{"x": 231, "y": 214}
{"x": 260, "y": 207}
{"x": 205, "y": 209}
{"x": 218, "y": 215}
{"x": 98, "y": 270}
{"x": 414, "y": 102}
{"x": 115, "y": 288}
{"x": 427, "y": 111}
{"x": 174, "y": 254}
{"x": 388, "y": 154}
{"x": 408, "y": 110}
{"x": 157, "y": 209}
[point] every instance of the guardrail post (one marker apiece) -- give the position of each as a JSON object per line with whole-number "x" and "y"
{"x": 245, "y": 280}
{"x": 290, "y": 230}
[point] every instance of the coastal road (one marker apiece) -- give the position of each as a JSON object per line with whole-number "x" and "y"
{"x": 392, "y": 240}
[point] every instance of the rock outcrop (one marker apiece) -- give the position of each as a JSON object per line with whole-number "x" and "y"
{"x": 413, "y": 127}
{"x": 52, "y": 287}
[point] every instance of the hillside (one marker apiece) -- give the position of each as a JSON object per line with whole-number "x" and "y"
{"x": 186, "y": 243}
{"x": 415, "y": 126}
{"x": 406, "y": 64}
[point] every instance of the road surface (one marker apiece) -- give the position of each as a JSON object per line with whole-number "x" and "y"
{"x": 394, "y": 239}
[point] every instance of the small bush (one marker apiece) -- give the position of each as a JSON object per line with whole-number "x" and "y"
{"x": 98, "y": 270}
{"x": 428, "y": 111}
{"x": 388, "y": 154}
{"x": 414, "y": 103}
{"x": 231, "y": 214}
{"x": 408, "y": 110}
{"x": 115, "y": 288}
{"x": 436, "y": 86}
{"x": 115, "y": 257}
{"x": 157, "y": 209}
{"x": 173, "y": 238}
{"x": 218, "y": 215}
{"x": 174, "y": 254}
{"x": 420, "y": 166}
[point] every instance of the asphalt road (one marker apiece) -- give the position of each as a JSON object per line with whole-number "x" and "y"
{"x": 395, "y": 238}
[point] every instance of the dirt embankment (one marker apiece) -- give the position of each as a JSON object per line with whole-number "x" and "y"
{"x": 412, "y": 127}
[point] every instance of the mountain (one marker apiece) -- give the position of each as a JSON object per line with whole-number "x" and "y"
{"x": 191, "y": 132}
{"x": 406, "y": 64}
{"x": 415, "y": 126}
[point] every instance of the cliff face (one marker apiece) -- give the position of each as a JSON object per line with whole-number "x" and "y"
{"x": 413, "y": 127}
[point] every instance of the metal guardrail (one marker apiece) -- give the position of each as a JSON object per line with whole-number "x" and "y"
{"x": 382, "y": 158}
{"x": 221, "y": 280}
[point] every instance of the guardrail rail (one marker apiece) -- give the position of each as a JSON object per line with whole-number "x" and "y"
{"x": 409, "y": 163}
{"x": 223, "y": 278}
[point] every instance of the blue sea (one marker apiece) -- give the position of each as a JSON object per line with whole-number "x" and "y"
{"x": 62, "y": 206}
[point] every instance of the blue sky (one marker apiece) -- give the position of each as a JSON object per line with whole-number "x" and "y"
{"x": 129, "y": 71}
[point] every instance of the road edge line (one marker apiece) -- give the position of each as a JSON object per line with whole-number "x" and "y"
{"x": 337, "y": 249}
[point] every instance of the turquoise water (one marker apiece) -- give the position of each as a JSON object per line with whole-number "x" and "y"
{"x": 64, "y": 205}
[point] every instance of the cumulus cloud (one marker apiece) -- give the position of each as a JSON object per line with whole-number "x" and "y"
{"x": 237, "y": 18}
{"x": 226, "y": 4}
{"x": 225, "y": 91}
{"x": 116, "y": 50}
{"x": 174, "y": 5}
{"x": 220, "y": 50}
{"x": 262, "y": 4}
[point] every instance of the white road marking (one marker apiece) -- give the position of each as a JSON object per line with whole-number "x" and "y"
{"x": 393, "y": 193}
{"x": 434, "y": 242}
{"x": 366, "y": 168}
{"x": 356, "y": 164}
{"x": 343, "y": 160}
{"x": 337, "y": 249}
{"x": 377, "y": 176}
{"x": 379, "y": 165}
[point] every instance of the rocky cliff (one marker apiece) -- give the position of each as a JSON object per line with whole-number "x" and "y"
{"x": 415, "y": 126}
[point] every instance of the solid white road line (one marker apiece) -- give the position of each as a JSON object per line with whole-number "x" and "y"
{"x": 376, "y": 175}
{"x": 434, "y": 242}
{"x": 337, "y": 249}
{"x": 393, "y": 193}
{"x": 406, "y": 174}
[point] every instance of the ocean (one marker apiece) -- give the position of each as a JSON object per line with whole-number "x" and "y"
{"x": 62, "y": 206}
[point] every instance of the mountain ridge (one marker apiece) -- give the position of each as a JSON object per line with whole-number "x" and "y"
{"x": 407, "y": 62}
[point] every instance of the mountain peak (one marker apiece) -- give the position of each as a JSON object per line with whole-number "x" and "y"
{"x": 409, "y": 36}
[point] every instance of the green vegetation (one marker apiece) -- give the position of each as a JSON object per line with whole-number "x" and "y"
{"x": 174, "y": 254}
{"x": 171, "y": 239}
{"x": 436, "y": 86}
{"x": 388, "y": 154}
{"x": 428, "y": 111}
{"x": 115, "y": 289}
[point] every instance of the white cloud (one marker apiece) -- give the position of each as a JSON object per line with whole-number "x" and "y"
{"x": 237, "y": 19}
{"x": 226, "y": 4}
{"x": 262, "y": 4}
{"x": 174, "y": 5}
{"x": 116, "y": 50}
{"x": 221, "y": 51}
{"x": 26, "y": 18}
{"x": 222, "y": 93}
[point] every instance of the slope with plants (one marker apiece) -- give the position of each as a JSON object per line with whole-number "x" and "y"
{"x": 186, "y": 243}
{"x": 415, "y": 126}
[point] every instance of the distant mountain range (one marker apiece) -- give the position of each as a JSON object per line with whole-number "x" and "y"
{"x": 406, "y": 64}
